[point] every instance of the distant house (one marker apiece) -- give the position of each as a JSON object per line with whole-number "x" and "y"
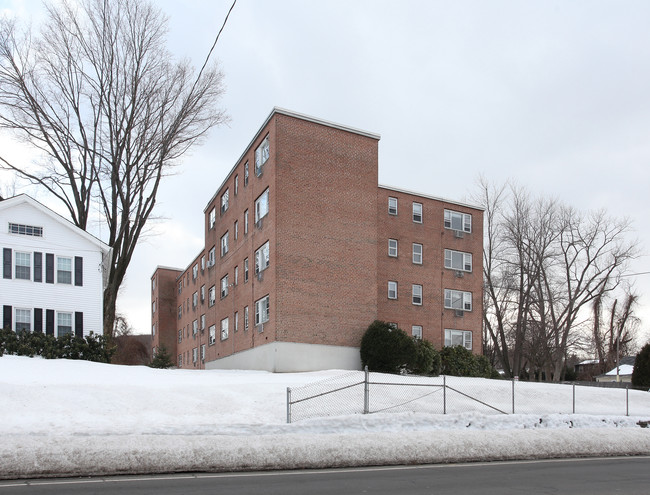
{"x": 53, "y": 273}
{"x": 624, "y": 371}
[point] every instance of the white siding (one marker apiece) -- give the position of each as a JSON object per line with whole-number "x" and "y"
{"x": 60, "y": 238}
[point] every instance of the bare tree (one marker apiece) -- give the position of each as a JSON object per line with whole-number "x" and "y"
{"x": 98, "y": 94}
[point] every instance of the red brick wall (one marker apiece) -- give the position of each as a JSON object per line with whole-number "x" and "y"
{"x": 165, "y": 316}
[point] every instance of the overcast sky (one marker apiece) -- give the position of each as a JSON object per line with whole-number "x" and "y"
{"x": 551, "y": 94}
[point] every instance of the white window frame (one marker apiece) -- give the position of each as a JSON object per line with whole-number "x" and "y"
{"x": 392, "y": 289}
{"x": 22, "y": 316}
{"x": 452, "y": 297}
{"x": 262, "y": 310}
{"x": 246, "y": 222}
{"x": 416, "y": 331}
{"x": 59, "y": 271}
{"x": 180, "y": 336}
{"x": 236, "y": 229}
{"x": 417, "y": 212}
{"x": 224, "y": 328}
{"x": 245, "y": 270}
{"x": 195, "y": 271}
{"x": 202, "y": 352}
{"x": 236, "y": 321}
{"x": 392, "y": 205}
{"x": 212, "y": 296}
{"x": 60, "y": 315}
{"x": 195, "y": 327}
{"x": 465, "y": 337}
{"x": 456, "y": 220}
{"x": 212, "y": 218}
{"x": 224, "y": 286}
{"x": 245, "y": 318}
{"x": 392, "y": 248}
{"x": 417, "y": 253}
{"x": 22, "y": 257}
{"x": 262, "y": 258}
{"x": 452, "y": 259}
{"x": 262, "y": 206}
{"x": 246, "y": 174}
{"x": 202, "y": 294}
{"x": 212, "y": 335}
{"x": 202, "y": 322}
{"x": 195, "y": 299}
{"x": 224, "y": 244}
{"x": 262, "y": 154}
{"x": 236, "y": 184}
{"x": 195, "y": 354}
{"x": 212, "y": 256}
{"x": 416, "y": 294}
{"x": 22, "y": 229}
{"x": 225, "y": 201}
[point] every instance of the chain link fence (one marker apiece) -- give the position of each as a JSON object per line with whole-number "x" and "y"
{"x": 362, "y": 392}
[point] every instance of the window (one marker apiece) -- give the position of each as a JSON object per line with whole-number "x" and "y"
{"x": 212, "y": 335}
{"x": 458, "y": 337}
{"x": 202, "y": 263}
{"x": 195, "y": 300}
{"x": 202, "y": 322}
{"x": 180, "y": 311}
{"x": 23, "y": 266}
{"x": 261, "y": 156}
{"x": 153, "y": 329}
{"x": 212, "y": 296}
{"x": 63, "y": 324}
{"x": 202, "y": 352}
{"x": 417, "y": 253}
{"x": 211, "y": 256}
{"x": 153, "y": 307}
{"x": 236, "y": 228}
{"x": 195, "y": 327}
{"x": 392, "y": 290}
{"x": 195, "y": 354}
{"x": 224, "y": 244}
{"x": 457, "y": 260}
{"x": 262, "y": 310}
{"x": 17, "y": 228}
{"x": 246, "y": 174}
{"x": 23, "y": 320}
{"x": 224, "y": 201}
{"x": 236, "y": 185}
{"x": 236, "y": 321}
{"x": 246, "y": 270}
{"x": 262, "y": 258}
{"x": 153, "y": 284}
{"x": 224, "y": 329}
{"x": 195, "y": 271}
{"x": 455, "y": 220}
{"x": 261, "y": 207}
{"x": 64, "y": 270}
{"x": 417, "y": 212}
{"x": 456, "y": 299}
{"x": 213, "y": 218}
{"x": 180, "y": 336}
{"x": 245, "y": 222}
{"x": 180, "y": 360}
{"x": 245, "y": 318}
{"x": 416, "y": 331}
{"x": 392, "y": 206}
{"x": 417, "y": 294}
{"x": 180, "y": 286}
{"x": 202, "y": 294}
{"x": 392, "y": 248}
{"x": 224, "y": 286}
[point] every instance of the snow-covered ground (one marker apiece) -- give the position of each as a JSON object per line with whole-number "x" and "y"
{"x": 60, "y": 417}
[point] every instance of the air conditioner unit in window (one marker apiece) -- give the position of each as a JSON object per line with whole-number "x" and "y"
{"x": 459, "y": 313}
{"x": 459, "y": 274}
{"x": 458, "y": 234}
{"x": 260, "y": 328}
{"x": 260, "y": 276}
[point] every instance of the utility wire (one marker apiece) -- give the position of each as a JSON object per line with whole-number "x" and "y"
{"x": 215, "y": 42}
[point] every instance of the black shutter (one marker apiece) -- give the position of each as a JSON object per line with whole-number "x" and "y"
{"x": 38, "y": 267}
{"x": 38, "y": 320}
{"x": 6, "y": 263}
{"x": 49, "y": 269}
{"x": 6, "y": 317}
{"x": 78, "y": 324}
{"x": 78, "y": 270}
{"x": 49, "y": 321}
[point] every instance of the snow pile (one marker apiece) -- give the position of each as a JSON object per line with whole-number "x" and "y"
{"x": 78, "y": 418}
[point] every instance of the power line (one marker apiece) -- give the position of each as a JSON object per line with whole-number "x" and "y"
{"x": 215, "y": 40}
{"x": 635, "y": 274}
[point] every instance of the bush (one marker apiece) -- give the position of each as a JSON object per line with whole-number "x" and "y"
{"x": 162, "y": 359}
{"x": 641, "y": 371}
{"x": 459, "y": 361}
{"x": 425, "y": 360}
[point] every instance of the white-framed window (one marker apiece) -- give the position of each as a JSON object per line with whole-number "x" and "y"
{"x": 458, "y": 337}
{"x": 212, "y": 219}
{"x": 417, "y": 253}
{"x": 153, "y": 307}
{"x": 224, "y": 286}
{"x": 195, "y": 271}
{"x": 195, "y": 299}
{"x": 195, "y": 327}
{"x": 392, "y": 248}
{"x": 23, "y": 269}
{"x": 153, "y": 329}
{"x": 417, "y": 212}
{"x": 458, "y": 299}
{"x": 262, "y": 310}
{"x": 416, "y": 331}
{"x": 64, "y": 270}
{"x": 245, "y": 270}
{"x": 63, "y": 324}
{"x": 180, "y": 336}
{"x": 236, "y": 229}
{"x": 224, "y": 244}
{"x": 392, "y": 289}
{"x": 180, "y": 311}
{"x": 195, "y": 354}
{"x": 31, "y": 230}
{"x": 225, "y": 198}
{"x": 153, "y": 284}
{"x": 456, "y": 220}
{"x": 180, "y": 360}
{"x": 180, "y": 286}
{"x": 262, "y": 206}
{"x": 245, "y": 222}
{"x": 245, "y": 318}
{"x": 236, "y": 275}
{"x": 458, "y": 260}
{"x": 202, "y": 294}
{"x": 416, "y": 292}
{"x": 224, "y": 329}
{"x": 202, "y": 352}
{"x": 262, "y": 155}
{"x": 392, "y": 206}
{"x": 202, "y": 322}
{"x": 202, "y": 263}
{"x": 262, "y": 258}
{"x": 236, "y": 321}
{"x": 246, "y": 174}
{"x": 212, "y": 335}
{"x": 212, "y": 255}
{"x": 212, "y": 296}
{"x": 23, "y": 320}
{"x": 236, "y": 184}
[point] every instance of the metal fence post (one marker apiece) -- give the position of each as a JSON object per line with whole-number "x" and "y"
{"x": 627, "y": 401}
{"x": 574, "y": 398}
{"x": 366, "y": 391}
{"x": 444, "y": 394}
{"x": 288, "y": 405}
{"x": 513, "y": 395}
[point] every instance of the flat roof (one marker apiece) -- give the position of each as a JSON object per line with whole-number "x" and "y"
{"x": 427, "y": 196}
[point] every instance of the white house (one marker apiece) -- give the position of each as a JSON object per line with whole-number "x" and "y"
{"x": 53, "y": 273}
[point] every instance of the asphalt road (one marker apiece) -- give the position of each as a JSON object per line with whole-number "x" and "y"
{"x": 628, "y": 476}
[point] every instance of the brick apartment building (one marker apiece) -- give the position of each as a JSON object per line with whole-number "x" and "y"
{"x": 303, "y": 250}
